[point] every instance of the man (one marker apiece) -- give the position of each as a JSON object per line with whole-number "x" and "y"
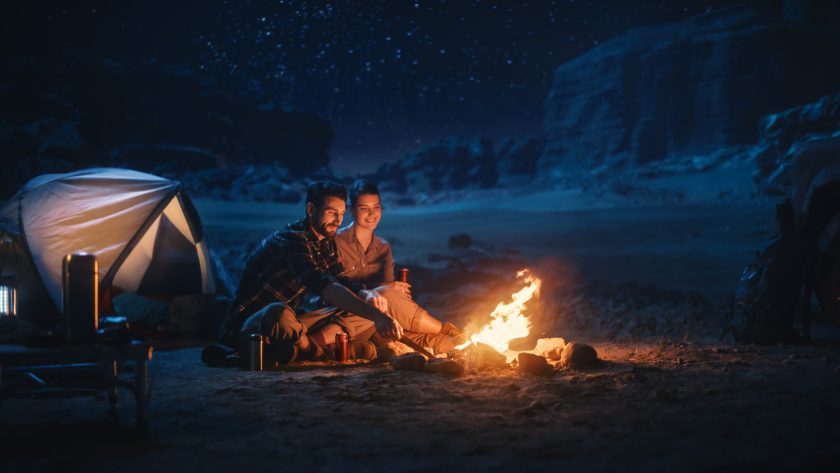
{"x": 290, "y": 263}
{"x": 367, "y": 259}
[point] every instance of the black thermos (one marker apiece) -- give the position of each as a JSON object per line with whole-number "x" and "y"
{"x": 255, "y": 352}
{"x": 80, "y": 297}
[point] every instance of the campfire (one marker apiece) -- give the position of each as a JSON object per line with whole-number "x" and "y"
{"x": 508, "y": 321}
{"x": 488, "y": 348}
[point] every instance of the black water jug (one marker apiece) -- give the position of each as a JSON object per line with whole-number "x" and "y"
{"x": 80, "y": 297}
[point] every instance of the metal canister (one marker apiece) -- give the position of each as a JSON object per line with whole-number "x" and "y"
{"x": 402, "y": 275}
{"x": 80, "y": 297}
{"x": 255, "y": 352}
{"x": 341, "y": 353}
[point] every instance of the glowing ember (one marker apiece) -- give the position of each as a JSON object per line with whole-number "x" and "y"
{"x": 508, "y": 320}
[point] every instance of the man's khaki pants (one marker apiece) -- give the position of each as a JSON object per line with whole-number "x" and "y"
{"x": 279, "y": 323}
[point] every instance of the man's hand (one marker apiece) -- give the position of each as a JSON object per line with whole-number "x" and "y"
{"x": 344, "y": 298}
{"x": 375, "y": 299}
{"x": 389, "y": 328}
{"x": 399, "y": 286}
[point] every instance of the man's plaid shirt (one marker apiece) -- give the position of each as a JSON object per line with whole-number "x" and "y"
{"x": 284, "y": 266}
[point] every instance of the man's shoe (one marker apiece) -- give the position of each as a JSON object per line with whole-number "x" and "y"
{"x": 361, "y": 350}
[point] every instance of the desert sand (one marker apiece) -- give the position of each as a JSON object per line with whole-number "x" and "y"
{"x": 647, "y": 287}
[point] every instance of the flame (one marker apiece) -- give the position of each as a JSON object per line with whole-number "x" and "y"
{"x": 508, "y": 320}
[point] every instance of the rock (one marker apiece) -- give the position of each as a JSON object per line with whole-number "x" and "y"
{"x": 629, "y": 101}
{"x": 439, "y": 365}
{"x": 578, "y": 354}
{"x": 479, "y": 356}
{"x": 449, "y": 165}
{"x": 550, "y": 348}
{"x": 409, "y": 362}
{"x": 534, "y": 364}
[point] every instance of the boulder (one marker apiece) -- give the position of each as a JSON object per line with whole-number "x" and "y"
{"x": 480, "y": 356}
{"x": 577, "y": 354}
{"x": 550, "y": 348}
{"x": 534, "y": 364}
{"x": 683, "y": 89}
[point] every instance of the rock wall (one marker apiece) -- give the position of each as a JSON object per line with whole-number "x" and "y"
{"x": 683, "y": 89}
{"x": 784, "y": 132}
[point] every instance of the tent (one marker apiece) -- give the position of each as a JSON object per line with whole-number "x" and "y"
{"x": 143, "y": 229}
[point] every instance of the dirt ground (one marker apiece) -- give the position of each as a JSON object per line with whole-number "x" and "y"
{"x": 669, "y": 396}
{"x": 653, "y": 406}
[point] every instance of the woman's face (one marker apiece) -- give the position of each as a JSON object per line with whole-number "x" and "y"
{"x": 367, "y": 211}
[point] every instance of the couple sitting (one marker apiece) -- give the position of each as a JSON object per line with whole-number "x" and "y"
{"x": 353, "y": 273}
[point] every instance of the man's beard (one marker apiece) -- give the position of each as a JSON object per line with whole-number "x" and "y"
{"x": 327, "y": 229}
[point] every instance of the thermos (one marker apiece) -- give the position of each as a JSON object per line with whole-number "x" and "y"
{"x": 255, "y": 352}
{"x": 80, "y": 297}
{"x": 341, "y": 354}
{"x": 402, "y": 275}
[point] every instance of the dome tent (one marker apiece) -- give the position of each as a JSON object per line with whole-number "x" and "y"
{"x": 143, "y": 229}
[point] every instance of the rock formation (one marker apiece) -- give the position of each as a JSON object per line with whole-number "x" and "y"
{"x": 688, "y": 88}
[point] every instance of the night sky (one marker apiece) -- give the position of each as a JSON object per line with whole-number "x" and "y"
{"x": 389, "y": 76}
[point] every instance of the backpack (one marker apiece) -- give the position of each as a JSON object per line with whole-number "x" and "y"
{"x": 767, "y": 296}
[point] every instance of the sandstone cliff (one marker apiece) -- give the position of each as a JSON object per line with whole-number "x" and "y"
{"x": 689, "y": 88}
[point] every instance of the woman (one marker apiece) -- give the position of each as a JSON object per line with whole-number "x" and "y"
{"x": 368, "y": 259}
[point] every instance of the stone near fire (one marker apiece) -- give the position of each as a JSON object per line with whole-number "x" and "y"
{"x": 578, "y": 354}
{"x": 550, "y": 348}
{"x": 409, "y": 362}
{"x": 480, "y": 356}
{"x": 439, "y": 365}
{"x": 534, "y": 364}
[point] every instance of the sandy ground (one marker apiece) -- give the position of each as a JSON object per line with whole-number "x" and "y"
{"x": 652, "y": 406}
{"x": 646, "y": 287}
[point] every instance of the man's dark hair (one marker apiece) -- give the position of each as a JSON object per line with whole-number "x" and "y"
{"x": 322, "y": 189}
{"x": 362, "y": 187}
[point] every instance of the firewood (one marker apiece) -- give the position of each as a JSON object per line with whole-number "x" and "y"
{"x": 409, "y": 362}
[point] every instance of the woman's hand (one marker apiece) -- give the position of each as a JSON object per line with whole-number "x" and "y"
{"x": 376, "y": 299}
{"x": 403, "y": 288}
